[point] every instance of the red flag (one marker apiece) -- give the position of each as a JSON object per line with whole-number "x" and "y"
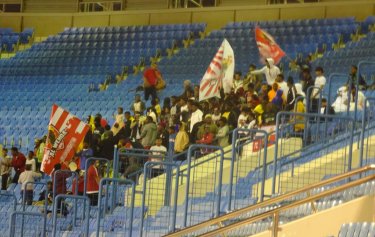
{"x": 268, "y": 48}
{"x": 65, "y": 133}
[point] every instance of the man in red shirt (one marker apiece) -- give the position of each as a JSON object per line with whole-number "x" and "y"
{"x": 207, "y": 139}
{"x": 93, "y": 183}
{"x": 150, "y": 78}
{"x": 18, "y": 163}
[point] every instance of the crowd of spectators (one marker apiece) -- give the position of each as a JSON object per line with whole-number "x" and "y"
{"x": 169, "y": 128}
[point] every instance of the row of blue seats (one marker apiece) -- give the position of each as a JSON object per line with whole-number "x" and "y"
{"x": 290, "y": 23}
{"x": 124, "y": 29}
{"x": 178, "y": 35}
{"x": 9, "y": 39}
{"x": 94, "y": 52}
{"x": 276, "y": 31}
{"x": 119, "y": 61}
{"x": 100, "y": 45}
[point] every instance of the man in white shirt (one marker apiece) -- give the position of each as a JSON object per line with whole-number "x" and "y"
{"x": 25, "y": 177}
{"x": 270, "y": 71}
{"x": 31, "y": 160}
{"x": 5, "y": 168}
{"x": 282, "y": 85}
{"x": 196, "y": 115}
{"x": 157, "y": 150}
{"x": 320, "y": 82}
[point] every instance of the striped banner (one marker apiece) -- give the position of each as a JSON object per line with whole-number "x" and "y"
{"x": 219, "y": 74}
{"x": 65, "y": 133}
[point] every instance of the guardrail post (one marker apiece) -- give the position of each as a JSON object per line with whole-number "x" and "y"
{"x": 189, "y": 158}
{"x": 86, "y": 213}
{"x": 115, "y": 181}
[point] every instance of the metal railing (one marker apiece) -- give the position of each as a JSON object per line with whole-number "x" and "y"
{"x": 160, "y": 193}
{"x": 274, "y": 214}
{"x": 82, "y": 208}
{"x": 367, "y": 147}
{"x": 200, "y": 180}
{"x": 249, "y": 157}
{"x": 360, "y": 65}
{"x": 323, "y": 136}
{"x": 126, "y": 218}
{"x": 32, "y": 227}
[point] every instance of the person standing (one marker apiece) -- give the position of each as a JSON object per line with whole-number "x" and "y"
{"x": 196, "y": 115}
{"x": 138, "y": 105}
{"x": 18, "y": 163}
{"x": 119, "y": 121}
{"x": 93, "y": 180}
{"x": 157, "y": 150}
{"x": 149, "y": 133}
{"x": 223, "y": 133}
{"x": 40, "y": 152}
{"x": 182, "y": 141}
{"x": 27, "y": 190}
{"x": 5, "y": 168}
{"x": 84, "y": 154}
{"x": 150, "y": 79}
{"x": 291, "y": 96}
{"x": 320, "y": 82}
{"x": 31, "y": 161}
{"x": 270, "y": 71}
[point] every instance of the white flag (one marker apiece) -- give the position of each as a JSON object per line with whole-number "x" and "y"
{"x": 219, "y": 73}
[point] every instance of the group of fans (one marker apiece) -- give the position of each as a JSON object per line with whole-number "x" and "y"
{"x": 181, "y": 120}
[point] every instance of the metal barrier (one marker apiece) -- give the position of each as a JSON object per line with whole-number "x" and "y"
{"x": 64, "y": 174}
{"x": 367, "y": 143}
{"x": 45, "y": 196}
{"x": 242, "y": 219}
{"x": 81, "y": 208}
{"x": 270, "y": 220}
{"x": 4, "y": 198}
{"x": 32, "y": 224}
{"x": 123, "y": 217}
{"x": 248, "y": 167}
{"x": 326, "y": 150}
{"x": 360, "y": 65}
{"x": 203, "y": 181}
{"x": 160, "y": 192}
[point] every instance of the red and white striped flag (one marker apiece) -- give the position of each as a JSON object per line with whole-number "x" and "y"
{"x": 65, "y": 133}
{"x": 268, "y": 48}
{"x": 219, "y": 73}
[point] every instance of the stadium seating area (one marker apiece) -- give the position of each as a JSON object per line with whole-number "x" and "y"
{"x": 10, "y": 40}
{"x": 61, "y": 69}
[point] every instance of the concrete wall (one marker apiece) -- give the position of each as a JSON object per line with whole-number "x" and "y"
{"x": 47, "y": 24}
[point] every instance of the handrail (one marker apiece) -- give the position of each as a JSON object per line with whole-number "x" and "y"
{"x": 277, "y": 199}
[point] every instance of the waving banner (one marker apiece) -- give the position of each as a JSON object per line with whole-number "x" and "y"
{"x": 65, "y": 133}
{"x": 268, "y": 48}
{"x": 219, "y": 73}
